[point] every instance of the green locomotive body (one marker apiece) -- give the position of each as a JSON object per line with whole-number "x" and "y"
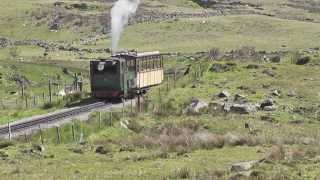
{"x": 125, "y": 75}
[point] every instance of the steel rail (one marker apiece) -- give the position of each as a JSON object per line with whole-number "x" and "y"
{"x": 51, "y": 118}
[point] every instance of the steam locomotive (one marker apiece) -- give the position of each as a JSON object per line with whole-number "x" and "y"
{"x": 126, "y": 74}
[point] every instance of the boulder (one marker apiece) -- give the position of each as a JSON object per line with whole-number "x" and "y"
{"x": 224, "y": 94}
{"x": 196, "y": 107}
{"x": 219, "y": 68}
{"x": 102, "y": 150}
{"x": 267, "y": 102}
{"x": 243, "y": 166}
{"x": 227, "y": 106}
{"x": 243, "y": 108}
{"x": 216, "y": 106}
{"x": 269, "y": 73}
{"x": 275, "y": 59}
{"x": 276, "y": 93}
{"x": 270, "y": 108}
{"x": 38, "y": 147}
{"x": 240, "y": 99}
{"x": 303, "y": 60}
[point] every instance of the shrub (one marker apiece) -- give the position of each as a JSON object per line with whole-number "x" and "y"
{"x": 277, "y": 153}
{"x": 183, "y": 173}
{"x": 6, "y": 143}
{"x": 208, "y": 140}
{"x": 214, "y": 54}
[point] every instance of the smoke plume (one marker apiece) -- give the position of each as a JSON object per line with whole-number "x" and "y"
{"x": 120, "y": 14}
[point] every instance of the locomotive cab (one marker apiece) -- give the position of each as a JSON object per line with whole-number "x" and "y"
{"x": 105, "y": 77}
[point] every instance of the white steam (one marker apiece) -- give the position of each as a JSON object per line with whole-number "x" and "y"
{"x": 120, "y": 14}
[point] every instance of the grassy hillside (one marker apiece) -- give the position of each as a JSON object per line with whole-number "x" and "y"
{"x": 161, "y": 143}
{"x": 249, "y": 49}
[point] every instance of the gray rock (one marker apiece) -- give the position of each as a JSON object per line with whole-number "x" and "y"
{"x": 291, "y": 93}
{"x": 243, "y": 166}
{"x": 269, "y": 73}
{"x": 102, "y": 150}
{"x": 240, "y": 99}
{"x": 243, "y": 108}
{"x": 270, "y": 108}
{"x": 196, "y": 107}
{"x": 227, "y": 106}
{"x": 276, "y": 93}
{"x": 275, "y": 59}
{"x": 303, "y": 60}
{"x": 216, "y": 106}
{"x": 39, "y": 147}
{"x": 267, "y": 102}
{"x": 219, "y": 68}
{"x": 224, "y": 94}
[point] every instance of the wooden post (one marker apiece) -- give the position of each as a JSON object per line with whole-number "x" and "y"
{"x": 26, "y": 102}
{"x": 73, "y": 133}
{"x": 160, "y": 100}
{"x": 58, "y": 135}
{"x": 50, "y": 91}
{"x": 123, "y": 106}
{"x": 110, "y": 117}
{"x": 131, "y": 106}
{"x": 22, "y": 90}
{"x": 174, "y": 79}
{"x": 9, "y": 131}
{"x": 168, "y": 84}
{"x": 34, "y": 101}
{"x": 25, "y": 137}
{"x": 41, "y": 137}
{"x": 139, "y": 103}
{"x": 43, "y": 97}
{"x": 99, "y": 120}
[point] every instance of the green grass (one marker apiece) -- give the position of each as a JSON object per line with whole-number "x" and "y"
{"x": 225, "y": 32}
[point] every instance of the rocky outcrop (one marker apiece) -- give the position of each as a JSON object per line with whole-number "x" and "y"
{"x": 197, "y": 106}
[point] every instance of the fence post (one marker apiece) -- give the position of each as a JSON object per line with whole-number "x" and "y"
{"x": 9, "y": 131}
{"x": 160, "y": 100}
{"x": 123, "y": 106}
{"x": 99, "y": 120}
{"x": 22, "y": 90}
{"x": 139, "y": 103}
{"x": 41, "y": 137}
{"x": 34, "y": 101}
{"x": 50, "y": 92}
{"x": 168, "y": 83}
{"x": 25, "y": 137}
{"x": 58, "y": 134}
{"x": 26, "y": 102}
{"x": 110, "y": 117}
{"x": 174, "y": 78}
{"x": 73, "y": 133}
{"x": 131, "y": 105}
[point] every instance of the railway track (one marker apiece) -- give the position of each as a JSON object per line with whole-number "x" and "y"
{"x": 51, "y": 118}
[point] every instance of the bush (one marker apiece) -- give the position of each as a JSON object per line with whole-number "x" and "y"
{"x": 183, "y": 173}
{"x": 277, "y": 153}
{"x": 6, "y": 143}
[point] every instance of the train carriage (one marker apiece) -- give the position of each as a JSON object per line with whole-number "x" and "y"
{"x": 126, "y": 74}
